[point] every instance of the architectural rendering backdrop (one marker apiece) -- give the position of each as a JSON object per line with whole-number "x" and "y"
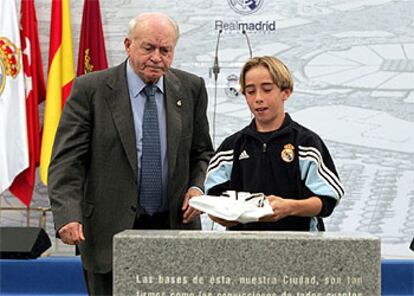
{"x": 353, "y": 64}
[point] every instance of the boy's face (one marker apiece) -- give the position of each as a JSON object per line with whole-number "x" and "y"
{"x": 265, "y": 99}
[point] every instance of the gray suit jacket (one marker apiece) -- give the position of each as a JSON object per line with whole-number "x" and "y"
{"x": 93, "y": 171}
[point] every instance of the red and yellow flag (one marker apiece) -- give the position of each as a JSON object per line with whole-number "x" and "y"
{"x": 92, "y": 54}
{"x": 23, "y": 184}
{"x": 60, "y": 77}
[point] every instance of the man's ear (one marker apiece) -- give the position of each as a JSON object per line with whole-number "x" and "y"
{"x": 127, "y": 44}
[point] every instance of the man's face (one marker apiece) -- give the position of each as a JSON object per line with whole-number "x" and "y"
{"x": 151, "y": 51}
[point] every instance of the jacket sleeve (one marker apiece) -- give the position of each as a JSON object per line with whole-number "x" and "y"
{"x": 202, "y": 147}
{"x": 319, "y": 174}
{"x": 68, "y": 164}
{"x": 219, "y": 170}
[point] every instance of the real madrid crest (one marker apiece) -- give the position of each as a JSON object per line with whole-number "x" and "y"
{"x": 245, "y": 7}
{"x": 288, "y": 153}
{"x": 232, "y": 86}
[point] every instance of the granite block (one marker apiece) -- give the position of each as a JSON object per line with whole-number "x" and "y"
{"x": 201, "y": 263}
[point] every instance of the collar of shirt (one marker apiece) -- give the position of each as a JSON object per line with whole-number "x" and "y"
{"x": 135, "y": 83}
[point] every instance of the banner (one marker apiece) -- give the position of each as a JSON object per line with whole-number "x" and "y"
{"x": 60, "y": 76}
{"x": 92, "y": 53}
{"x": 14, "y": 156}
{"x": 23, "y": 184}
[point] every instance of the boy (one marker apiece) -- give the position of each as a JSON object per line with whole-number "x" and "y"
{"x": 275, "y": 155}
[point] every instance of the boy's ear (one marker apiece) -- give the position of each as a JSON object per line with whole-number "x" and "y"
{"x": 286, "y": 94}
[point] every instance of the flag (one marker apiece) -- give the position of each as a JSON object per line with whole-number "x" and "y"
{"x": 23, "y": 184}
{"x": 60, "y": 77}
{"x": 92, "y": 54}
{"x": 14, "y": 156}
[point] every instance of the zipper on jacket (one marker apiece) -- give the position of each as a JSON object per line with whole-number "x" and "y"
{"x": 264, "y": 147}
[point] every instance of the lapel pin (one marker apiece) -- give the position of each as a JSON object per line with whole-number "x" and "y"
{"x": 179, "y": 103}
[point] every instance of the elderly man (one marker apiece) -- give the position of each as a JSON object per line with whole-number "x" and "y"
{"x": 131, "y": 149}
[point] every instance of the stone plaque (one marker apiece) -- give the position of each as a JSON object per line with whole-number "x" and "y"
{"x": 200, "y": 263}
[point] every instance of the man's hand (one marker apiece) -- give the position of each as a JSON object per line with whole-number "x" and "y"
{"x": 190, "y": 213}
{"x": 72, "y": 233}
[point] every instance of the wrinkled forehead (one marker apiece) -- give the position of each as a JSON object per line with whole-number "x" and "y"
{"x": 154, "y": 37}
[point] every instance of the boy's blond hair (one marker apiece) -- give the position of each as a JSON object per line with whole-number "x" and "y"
{"x": 278, "y": 71}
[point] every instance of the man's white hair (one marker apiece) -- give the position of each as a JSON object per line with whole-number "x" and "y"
{"x": 141, "y": 18}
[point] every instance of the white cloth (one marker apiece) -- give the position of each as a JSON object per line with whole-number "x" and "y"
{"x": 243, "y": 207}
